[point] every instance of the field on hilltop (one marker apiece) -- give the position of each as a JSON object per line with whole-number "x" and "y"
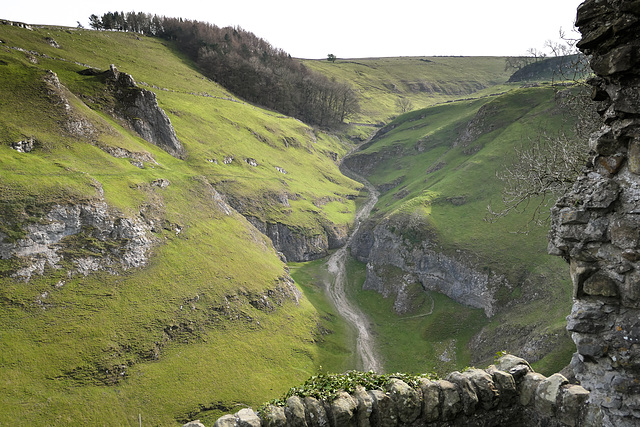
{"x": 423, "y": 81}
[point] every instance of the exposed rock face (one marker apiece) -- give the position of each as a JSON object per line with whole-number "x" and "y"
{"x": 422, "y": 263}
{"x": 596, "y": 225}
{"x": 364, "y": 163}
{"x": 506, "y": 394}
{"x": 89, "y": 236}
{"x": 140, "y": 108}
{"x": 297, "y": 245}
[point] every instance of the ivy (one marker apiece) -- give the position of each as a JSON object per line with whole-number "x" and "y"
{"x": 327, "y": 386}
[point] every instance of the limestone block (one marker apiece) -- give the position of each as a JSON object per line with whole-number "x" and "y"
{"x": 295, "y": 412}
{"x": 406, "y": 399}
{"x": 274, "y": 416}
{"x": 573, "y": 216}
{"x": 247, "y": 418}
{"x": 430, "y": 400}
{"x": 384, "y": 412}
{"x": 506, "y": 385}
{"x": 316, "y": 411}
{"x": 467, "y": 391}
{"x": 625, "y": 232}
{"x": 343, "y": 409}
{"x": 507, "y": 362}
{"x": 365, "y": 406}
{"x": 528, "y": 388}
{"x": 572, "y": 402}
{"x": 600, "y": 284}
{"x": 486, "y": 390}
{"x": 633, "y": 157}
{"x": 226, "y": 421}
{"x": 592, "y": 416}
{"x": 547, "y": 394}
{"x": 589, "y": 345}
{"x": 630, "y": 290}
{"x": 451, "y": 400}
{"x": 618, "y": 60}
{"x": 610, "y": 164}
{"x": 587, "y": 317}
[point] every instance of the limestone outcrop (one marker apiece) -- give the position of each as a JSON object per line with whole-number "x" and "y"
{"x": 596, "y": 226}
{"x": 298, "y": 244}
{"x": 507, "y": 393}
{"x": 80, "y": 238}
{"x": 420, "y": 263}
{"x": 139, "y": 107}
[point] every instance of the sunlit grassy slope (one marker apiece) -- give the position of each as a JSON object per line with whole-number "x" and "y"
{"x": 424, "y": 81}
{"x": 438, "y": 182}
{"x": 181, "y": 333}
{"x": 178, "y": 339}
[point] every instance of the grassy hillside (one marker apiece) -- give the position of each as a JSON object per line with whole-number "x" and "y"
{"x": 424, "y": 81}
{"x": 437, "y": 168}
{"x": 185, "y": 336}
{"x": 211, "y": 322}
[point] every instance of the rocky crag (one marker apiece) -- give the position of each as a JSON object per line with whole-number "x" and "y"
{"x": 139, "y": 107}
{"x": 297, "y": 245}
{"x": 422, "y": 264}
{"x": 596, "y": 226}
{"x": 81, "y": 238}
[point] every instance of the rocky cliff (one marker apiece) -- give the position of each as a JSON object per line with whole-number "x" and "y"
{"x": 596, "y": 225}
{"x": 139, "y": 107}
{"x": 423, "y": 263}
{"x": 297, "y": 244}
{"x": 80, "y": 238}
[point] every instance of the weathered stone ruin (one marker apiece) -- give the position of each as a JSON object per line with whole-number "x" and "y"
{"x": 596, "y": 226}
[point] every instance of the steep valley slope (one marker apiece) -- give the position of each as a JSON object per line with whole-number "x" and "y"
{"x": 135, "y": 280}
{"x": 436, "y": 171}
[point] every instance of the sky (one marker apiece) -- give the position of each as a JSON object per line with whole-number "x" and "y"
{"x": 347, "y": 28}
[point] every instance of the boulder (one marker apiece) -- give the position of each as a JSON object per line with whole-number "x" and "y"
{"x": 247, "y": 418}
{"x": 274, "y": 416}
{"x": 317, "y": 415}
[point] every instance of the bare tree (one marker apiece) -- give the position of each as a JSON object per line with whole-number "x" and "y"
{"x": 545, "y": 168}
{"x": 404, "y": 104}
{"x": 548, "y": 164}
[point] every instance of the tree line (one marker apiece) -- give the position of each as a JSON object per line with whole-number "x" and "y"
{"x": 246, "y": 65}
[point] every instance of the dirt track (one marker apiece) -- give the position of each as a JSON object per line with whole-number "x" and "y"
{"x": 369, "y": 360}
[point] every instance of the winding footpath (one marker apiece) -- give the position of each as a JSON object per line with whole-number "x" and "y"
{"x": 369, "y": 360}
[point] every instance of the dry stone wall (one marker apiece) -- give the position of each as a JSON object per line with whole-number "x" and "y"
{"x": 596, "y": 226}
{"x": 507, "y": 393}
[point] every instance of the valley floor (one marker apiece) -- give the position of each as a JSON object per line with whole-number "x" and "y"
{"x": 369, "y": 359}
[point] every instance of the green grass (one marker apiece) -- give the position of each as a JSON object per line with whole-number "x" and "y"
{"x": 178, "y": 339}
{"x": 424, "y": 81}
{"x": 336, "y": 337}
{"x": 442, "y": 185}
{"x": 417, "y": 342}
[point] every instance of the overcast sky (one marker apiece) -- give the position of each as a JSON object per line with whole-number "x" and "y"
{"x": 347, "y": 28}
